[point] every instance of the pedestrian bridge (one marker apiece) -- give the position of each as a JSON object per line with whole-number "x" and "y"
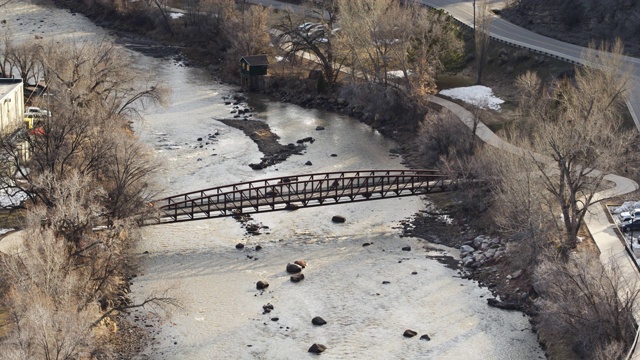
{"x": 294, "y": 192}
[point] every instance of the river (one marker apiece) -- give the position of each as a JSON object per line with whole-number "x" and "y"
{"x": 368, "y": 295}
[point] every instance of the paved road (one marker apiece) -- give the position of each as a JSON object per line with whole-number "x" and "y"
{"x": 508, "y": 32}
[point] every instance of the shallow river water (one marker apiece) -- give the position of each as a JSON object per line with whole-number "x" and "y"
{"x": 221, "y": 316}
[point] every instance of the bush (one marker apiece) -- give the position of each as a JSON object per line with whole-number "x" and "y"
{"x": 585, "y": 309}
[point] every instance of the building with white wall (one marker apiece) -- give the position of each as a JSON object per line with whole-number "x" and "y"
{"x": 11, "y": 105}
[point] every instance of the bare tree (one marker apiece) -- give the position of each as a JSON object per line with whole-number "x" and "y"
{"x": 434, "y": 46}
{"x": 482, "y": 36}
{"x": 209, "y": 16}
{"x": 316, "y": 34}
{"x": 62, "y": 286}
{"x": 97, "y": 75}
{"x": 248, "y": 34}
{"x": 585, "y": 307}
{"x": 46, "y": 320}
{"x": 93, "y": 91}
{"x": 398, "y": 44}
{"x": 127, "y": 177}
{"x": 441, "y": 136}
{"x": 576, "y": 124}
{"x": 520, "y": 206}
{"x": 6, "y": 51}
{"x": 24, "y": 58}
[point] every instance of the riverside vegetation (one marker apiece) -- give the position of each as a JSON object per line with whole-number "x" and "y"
{"x": 577, "y": 120}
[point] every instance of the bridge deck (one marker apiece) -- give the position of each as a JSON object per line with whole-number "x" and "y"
{"x": 292, "y": 192}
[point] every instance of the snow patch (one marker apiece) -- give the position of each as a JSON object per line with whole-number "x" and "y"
{"x": 478, "y": 95}
{"x": 11, "y": 197}
{"x": 396, "y": 73}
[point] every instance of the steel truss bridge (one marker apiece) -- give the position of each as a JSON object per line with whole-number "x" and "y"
{"x": 293, "y": 192}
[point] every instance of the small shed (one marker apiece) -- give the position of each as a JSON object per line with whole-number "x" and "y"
{"x": 253, "y": 69}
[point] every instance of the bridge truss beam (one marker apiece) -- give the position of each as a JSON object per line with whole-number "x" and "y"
{"x": 292, "y": 192}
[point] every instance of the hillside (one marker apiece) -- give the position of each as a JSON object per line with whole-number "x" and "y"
{"x": 579, "y": 21}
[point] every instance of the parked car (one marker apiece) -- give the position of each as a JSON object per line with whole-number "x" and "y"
{"x": 38, "y": 111}
{"x": 628, "y": 215}
{"x": 315, "y": 30}
{"x": 630, "y": 226}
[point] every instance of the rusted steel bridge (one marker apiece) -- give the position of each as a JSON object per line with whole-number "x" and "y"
{"x": 293, "y": 192}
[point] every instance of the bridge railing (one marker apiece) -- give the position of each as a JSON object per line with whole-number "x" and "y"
{"x": 278, "y": 181}
{"x": 307, "y": 190}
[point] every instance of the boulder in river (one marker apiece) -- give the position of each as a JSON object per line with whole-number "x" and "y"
{"x": 293, "y": 268}
{"x": 338, "y": 219}
{"x": 318, "y": 321}
{"x": 317, "y": 348}
{"x": 291, "y": 206}
{"x": 262, "y": 284}
{"x": 409, "y": 333}
{"x": 267, "y": 308}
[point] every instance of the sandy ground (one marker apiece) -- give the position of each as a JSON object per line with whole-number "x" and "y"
{"x": 222, "y": 315}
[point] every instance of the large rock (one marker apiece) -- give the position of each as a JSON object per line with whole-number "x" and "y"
{"x": 262, "y": 284}
{"x": 505, "y": 305}
{"x": 291, "y": 206}
{"x": 468, "y": 261}
{"x": 338, "y": 219}
{"x": 477, "y": 242}
{"x": 318, "y": 321}
{"x": 301, "y": 263}
{"x": 297, "y": 277}
{"x": 317, "y": 348}
{"x": 466, "y": 249}
{"x": 409, "y": 333}
{"x": 293, "y": 268}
